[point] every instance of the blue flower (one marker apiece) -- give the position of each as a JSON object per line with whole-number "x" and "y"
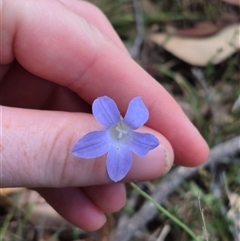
{"x": 118, "y": 138}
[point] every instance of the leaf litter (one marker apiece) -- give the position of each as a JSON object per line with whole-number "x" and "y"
{"x": 201, "y": 51}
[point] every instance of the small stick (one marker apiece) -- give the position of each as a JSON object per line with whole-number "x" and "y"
{"x": 205, "y": 233}
{"x": 166, "y": 229}
{"x": 135, "y": 49}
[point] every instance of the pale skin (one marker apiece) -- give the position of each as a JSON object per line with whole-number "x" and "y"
{"x": 56, "y": 58}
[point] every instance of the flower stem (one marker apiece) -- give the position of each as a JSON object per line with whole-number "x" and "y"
{"x": 165, "y": 212}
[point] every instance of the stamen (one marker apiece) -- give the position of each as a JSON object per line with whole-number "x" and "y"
{"x": 120, "y": 131}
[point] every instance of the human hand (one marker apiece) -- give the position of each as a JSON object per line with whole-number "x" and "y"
{"x": 56, "y": 58}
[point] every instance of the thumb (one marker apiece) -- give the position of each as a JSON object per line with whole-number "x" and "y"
{"x": 36, "y": 151}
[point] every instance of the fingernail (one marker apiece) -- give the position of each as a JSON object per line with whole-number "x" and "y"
{"x": 168, "y": 162}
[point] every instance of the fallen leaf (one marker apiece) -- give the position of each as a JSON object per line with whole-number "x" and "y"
{"x": 234, "y": 213}
{"x": 149, "y": 7}
{"x": 236, "y": 105}
{"x": 200, "y": 29}
{"x": 42, "y": 213}
{"x": 205, "y": 28}
{"x": 201, "y": 51}
{"x": 7, "y": 191}
{"x": 233, "y": 2}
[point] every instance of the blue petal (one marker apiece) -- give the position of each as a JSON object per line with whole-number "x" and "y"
{"x": 142, "y": 143}
{"x": 137, "y": 113}
{"x": 106, "y": 111}
{"x": 93, "y": 144}
{"x": 119, "y": 162}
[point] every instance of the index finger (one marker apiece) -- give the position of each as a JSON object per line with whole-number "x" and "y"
{"x": 58, "y": 44}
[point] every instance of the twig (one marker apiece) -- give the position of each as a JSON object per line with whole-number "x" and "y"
{"x": 236, "y": 105}
{"x": 134, "y": 50}
{"x": 218, "y": 154}
{"x": 235, "y": 230}
{"x": 198, "y": 73}
{"x": 166, "y": 229}
{"x": 205, "y": 233}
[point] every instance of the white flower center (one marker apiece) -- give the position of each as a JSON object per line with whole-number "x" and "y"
{"x": 120, "y": 128}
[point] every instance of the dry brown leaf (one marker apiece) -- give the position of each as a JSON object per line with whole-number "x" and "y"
{"x": 201, "y": 51}
{"x": 7, "y": 191}
{"x": 206, "y": 28}
{"x": 149, "y": 7}
{"x": 236, "y": 105}
{"x": 200, "y": 29}
{"x": 233, "y": 2}
{"x": 106, "y": 233}
{"x": 42, "y": 213}
{"x": 234, "y": 213}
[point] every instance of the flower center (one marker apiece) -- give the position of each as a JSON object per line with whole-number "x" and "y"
{"x": 120, "y": 128}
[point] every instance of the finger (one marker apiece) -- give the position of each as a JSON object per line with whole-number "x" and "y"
{"x": 96, "y": 17}
{"x": 74, "y": 206}
{"x": 109, "y": 198}
{"x": 91, "y": 65}
{"x": 37, "y": 151}
{"x": 22, "y": 89}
